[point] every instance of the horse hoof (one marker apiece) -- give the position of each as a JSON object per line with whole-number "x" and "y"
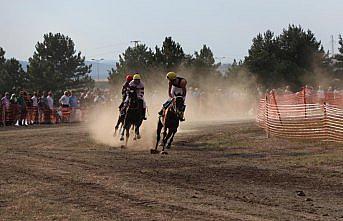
{"x": 153, "y": 151}
{"x": 122, "y": 139}
{"x": 168, "y": 147}
{"x": 164, "y": 152}
{"x": 139, "y": 137}
{"x": 122, "y": 146}
{"x": 134, "y": 138}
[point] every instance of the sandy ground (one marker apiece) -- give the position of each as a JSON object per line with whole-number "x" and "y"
{"x": 215, "y": 171}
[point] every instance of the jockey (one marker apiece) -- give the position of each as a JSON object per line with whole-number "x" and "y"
{"x": 138, "y": 86}
{"x": 177, "y": 87}
{"x": 124, "y": 89}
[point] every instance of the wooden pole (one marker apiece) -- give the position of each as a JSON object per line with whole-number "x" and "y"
{"x": 326, "y": 125}
{"x": 277, "y": 108}
{"x": 304, "y": 92}
{"x": 267, "y": 116}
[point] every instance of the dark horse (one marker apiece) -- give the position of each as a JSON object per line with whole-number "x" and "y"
{"x": 169, "y": 122}
{"x": 133, "y": 116}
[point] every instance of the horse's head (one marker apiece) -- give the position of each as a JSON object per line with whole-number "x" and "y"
{"x": 132, "y": 98}
{"x": 178, "y": 104}
{"x": 132, "y": 94}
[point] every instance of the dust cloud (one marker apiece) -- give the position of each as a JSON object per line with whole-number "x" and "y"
{"x": 234, "y": 99}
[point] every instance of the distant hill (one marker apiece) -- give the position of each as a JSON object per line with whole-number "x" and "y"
{"x": 104, "y": 66}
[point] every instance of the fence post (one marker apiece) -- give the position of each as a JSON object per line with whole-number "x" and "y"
{"x": 277, "y": 108}
{"x": 304, "y": 89}
{"x": 326, "y": 125}
{"x": 267, "y": 116}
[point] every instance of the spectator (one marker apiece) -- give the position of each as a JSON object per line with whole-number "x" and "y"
{"x": 100, "y": 98}
{"x": 5, "y": 101}
{"x": 22, "y": 108}
{"x": 29, "y": 109}
{"x": 13, "y": 114}
{"x": 44, "y": 106}
{"x": 50, "y": 101}
{"x": 34, "y": 100}
{"x": 73, "y": 102}
{"x": 64, "y": 100}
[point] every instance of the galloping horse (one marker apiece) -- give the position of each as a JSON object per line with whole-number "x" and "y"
{"x": 133, "y": 117}
{"x": 169, "y": 122}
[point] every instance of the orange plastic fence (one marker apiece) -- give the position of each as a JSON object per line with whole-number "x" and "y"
{"x": 13, "y": 114}
{"x": 307, "y": 114}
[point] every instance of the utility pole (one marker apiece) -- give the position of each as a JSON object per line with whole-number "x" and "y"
{"x": 97, "y": 65}
{"x": 332, "y": 46}
{"x": 136, "y": 42}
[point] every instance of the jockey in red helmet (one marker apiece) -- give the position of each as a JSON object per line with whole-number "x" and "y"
{"x": 125, "y": 88}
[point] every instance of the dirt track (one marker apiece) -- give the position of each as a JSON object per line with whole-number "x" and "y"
{"x": 227, "y": 171}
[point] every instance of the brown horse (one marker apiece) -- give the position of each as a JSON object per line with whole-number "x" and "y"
{"x": 169, "y": 122}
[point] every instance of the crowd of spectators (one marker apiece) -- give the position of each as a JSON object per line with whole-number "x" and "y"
{"x": 27, "y": 108}
{"x": 36, "y": 108}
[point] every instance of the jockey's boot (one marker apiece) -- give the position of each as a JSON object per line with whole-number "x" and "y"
{"x": 144, "y": 114}
{"x": 121, "y": 105}
{"x": 181, "y": 116}
{"x": 161, "y": 112}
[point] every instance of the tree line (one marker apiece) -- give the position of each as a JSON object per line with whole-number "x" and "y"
{"x": 54, "y": 66}
{"x": 153, "y": 64}
{"x": 295, "y": 58}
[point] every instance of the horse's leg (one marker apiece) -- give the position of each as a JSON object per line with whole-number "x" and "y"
{"x": 117, "y": 125}
{"x": 170, "y": 132}
{"x": 158, "y": 133}
{"x": 122, "y": 133}
{"x": 164, "y": 136}
{"x": 137, "y": 132}
{"x": 171, "y": 138}
{"x": 135, "y": 136}
{"x": 137, "y": 128}
{"x": 127, "y": 135}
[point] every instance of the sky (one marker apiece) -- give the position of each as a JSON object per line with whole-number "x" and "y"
{"x": 104, "y": 28}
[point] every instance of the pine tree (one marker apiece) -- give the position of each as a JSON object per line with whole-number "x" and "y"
{"x": 12, "y": 76}
{"x": 3, "y": 72}
{"x": 138, "y": 59}
{"x": 290, "y": 58}
{"x": 55, "y": 65}
{"x": 338, "y": 64}
{"x": 170, "y": 56}
{"x": 17, "y": 78}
